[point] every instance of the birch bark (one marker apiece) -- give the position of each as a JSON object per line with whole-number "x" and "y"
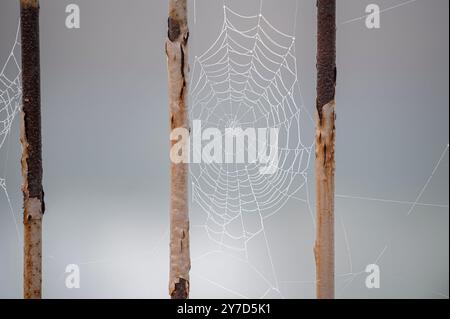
{"x": 177, "y": 65}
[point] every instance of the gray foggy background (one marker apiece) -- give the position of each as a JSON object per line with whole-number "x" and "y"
{"x": 105, "y": 142}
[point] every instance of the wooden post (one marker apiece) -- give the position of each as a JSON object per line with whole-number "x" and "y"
{"x": 177, "y": 65}
{"x": 30, "y": 137}
{"x": 325, "y": 138}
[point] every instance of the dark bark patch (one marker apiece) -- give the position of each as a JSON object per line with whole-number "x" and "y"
{"x": 326, "y": 53}
{"x": 181, "y": 290}
{"x": 182, "y": 73}
{"x": 31, "y": 107}
{"x": 172, "y": 122}
{"x": 182, "y": 60}
{"x": 174, "y": 29}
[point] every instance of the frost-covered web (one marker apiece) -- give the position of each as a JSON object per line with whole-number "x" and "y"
{"x": 248, "y": 79}
{"x": 10, "y": 95}
{"x": 10, "y": 104}
{"x": 10, "y": 90}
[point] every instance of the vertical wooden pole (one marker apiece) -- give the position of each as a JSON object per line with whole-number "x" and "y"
{"x": 177, "y": 65}
{"x": 325, "y": 139}
{"x": 30, "y": 137}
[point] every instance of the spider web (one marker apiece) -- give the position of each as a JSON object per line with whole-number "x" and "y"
{"x": 10, "y": 90}
{"x": 248, "y": 79}
{"x": 10, "y": 104}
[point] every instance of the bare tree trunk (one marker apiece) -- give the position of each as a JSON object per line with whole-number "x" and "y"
{"x": 177, "y": 64}
{"x": 325, "y": 137}
{"x": 30, "y": 137}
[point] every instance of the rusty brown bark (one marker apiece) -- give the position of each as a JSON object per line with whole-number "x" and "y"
{"x": 325, "y": 140}
{"x": 30, "y": 137}
{"x": 177, "y": 65}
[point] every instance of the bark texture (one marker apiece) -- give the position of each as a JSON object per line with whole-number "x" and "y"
{"x": 325, "y": 139}
{"x": 177, "y": 65}
{"x": 30, "y": 137}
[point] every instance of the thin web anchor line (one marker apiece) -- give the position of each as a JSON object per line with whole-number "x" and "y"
{"x": 425, "y": 186}
{"x": 391, "y": 201}
{"x": 413, "y": 205}
{"x": 381, "y": 11}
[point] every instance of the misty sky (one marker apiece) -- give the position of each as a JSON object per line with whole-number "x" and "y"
{"x": 106, "y": 143}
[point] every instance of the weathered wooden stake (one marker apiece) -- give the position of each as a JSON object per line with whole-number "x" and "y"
{"x": 177, "y": 65}
{"x": 30, "y": 137}
{"x": 325, "y": 138}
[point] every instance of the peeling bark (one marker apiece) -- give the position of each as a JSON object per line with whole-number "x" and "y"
{"x": 30, "y": 137}
{"x": 324, "y": 248}
{"x": 325, "y": 139}
{"x": 177, "y": 65}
